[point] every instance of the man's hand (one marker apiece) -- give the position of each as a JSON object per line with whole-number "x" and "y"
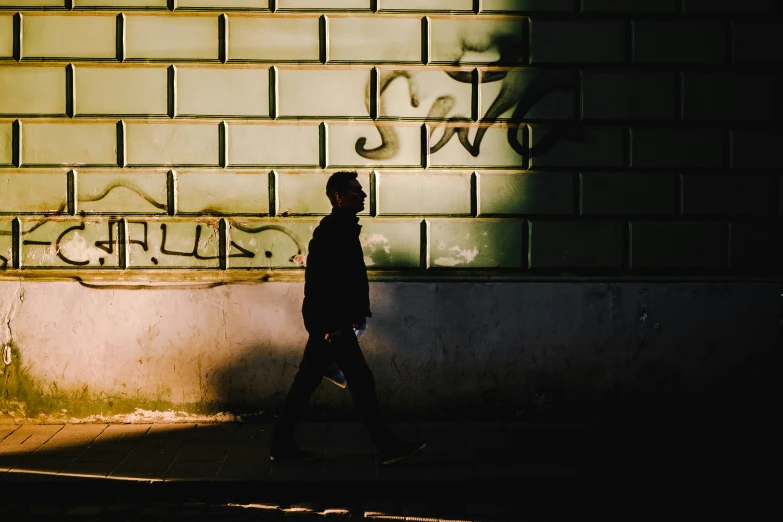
{"x": 360, "y": 329}
{"x": 336, "y": 333}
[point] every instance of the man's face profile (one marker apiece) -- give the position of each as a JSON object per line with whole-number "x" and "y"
{"x": 352, "y": 198}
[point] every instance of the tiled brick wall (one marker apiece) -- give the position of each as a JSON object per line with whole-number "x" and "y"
{"x": 516, "y": 136}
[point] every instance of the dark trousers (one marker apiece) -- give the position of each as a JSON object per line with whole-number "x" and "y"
{"x": 318, "y": 355}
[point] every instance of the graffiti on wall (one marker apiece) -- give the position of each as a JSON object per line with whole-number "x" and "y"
{"x": 520, "y": 90}
{"x": 93, "y": 243}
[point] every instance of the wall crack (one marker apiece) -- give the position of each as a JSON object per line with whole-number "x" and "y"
{"x": 7, "y": 331}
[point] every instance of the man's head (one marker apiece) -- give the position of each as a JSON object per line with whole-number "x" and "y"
{"x": 345, "y": 192}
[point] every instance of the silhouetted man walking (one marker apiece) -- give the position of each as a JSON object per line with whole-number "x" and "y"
{"x": 337, "y": 301}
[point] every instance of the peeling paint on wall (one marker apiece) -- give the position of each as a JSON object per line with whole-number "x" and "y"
{"x": 461, "y": 256}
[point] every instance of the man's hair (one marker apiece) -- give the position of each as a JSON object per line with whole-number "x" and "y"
{"x": 338, "y": 182}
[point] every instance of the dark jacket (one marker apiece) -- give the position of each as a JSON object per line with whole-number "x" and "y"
{"x": 337, "y": 294}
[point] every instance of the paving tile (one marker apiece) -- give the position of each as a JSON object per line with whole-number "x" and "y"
{"x": 449, "y": 451}
{"x": 489, "y": 435}
{"x": 310, "y": 437}
{"x": 193, "y": 469}
{"x": 59, "y": 451}
{"x": 416, "y": 468}
{"x": 44, "y": 465}
{"x": 248, "y": 457}
{"x": 215, "y": 433}
{"x": 24, "y": 441}
{"x": 121, "y": 436}
{"x": 155, "y": 453}
{"x": 85, "y": 510}
{"x": 5, "y": 431}
{"x": 349, "y": 452}
{"x": 204, "y": 452}
{"x": 98, "y": 465}
{"x": 71, "y": 440}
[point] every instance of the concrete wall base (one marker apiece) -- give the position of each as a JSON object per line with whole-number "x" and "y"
{"x": 437, "y": 350}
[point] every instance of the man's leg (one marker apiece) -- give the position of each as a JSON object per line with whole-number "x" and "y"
{"x": 306, "y": 380}
{"x": 335, "y": 375}
{"x": 345, "y": 350}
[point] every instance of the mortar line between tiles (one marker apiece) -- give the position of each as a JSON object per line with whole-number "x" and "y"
{"x": 179, "y": 451}
{"x": 228, "y": 450}
{"x": 9, "y": 433}
{"x": 84, "y": 449}
{"x": 122, "y": 461}
{"x": 44, "y": 443}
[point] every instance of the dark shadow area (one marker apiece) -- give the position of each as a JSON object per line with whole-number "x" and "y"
{"x": 470, "y": 471}
{"x": 751, "y": 389}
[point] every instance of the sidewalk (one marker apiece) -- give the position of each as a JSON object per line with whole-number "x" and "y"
{"x": 455, "y": 451}
{"x": 506, "y": 463}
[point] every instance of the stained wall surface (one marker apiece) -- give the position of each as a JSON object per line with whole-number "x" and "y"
{"x": 154, "y": 142}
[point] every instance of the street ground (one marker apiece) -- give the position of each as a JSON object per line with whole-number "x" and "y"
{"x": 488, "y": 471}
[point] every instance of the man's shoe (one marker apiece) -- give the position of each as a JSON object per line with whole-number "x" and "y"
{"x": 291, "y": 454}
{"x": 401, "y": 451}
